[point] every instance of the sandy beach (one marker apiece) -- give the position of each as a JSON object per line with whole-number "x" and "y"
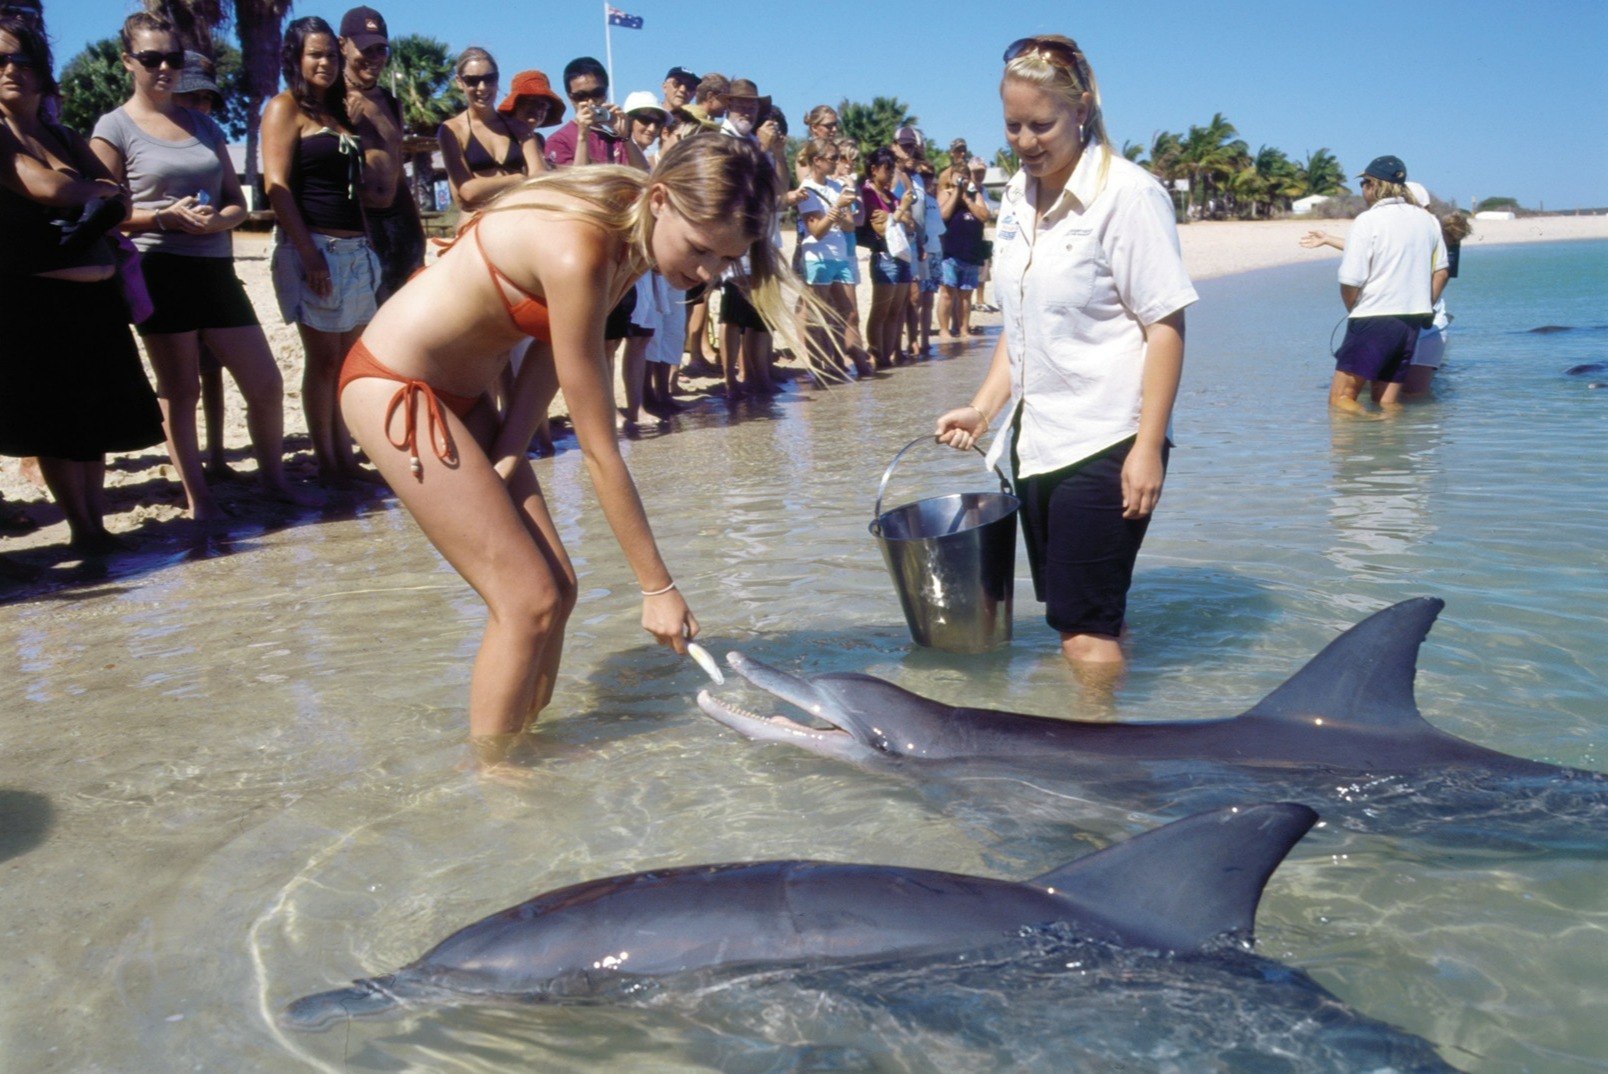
{"x": 143, "y": 494}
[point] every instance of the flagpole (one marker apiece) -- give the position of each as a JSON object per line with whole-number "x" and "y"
{"x": 608, "y": 45}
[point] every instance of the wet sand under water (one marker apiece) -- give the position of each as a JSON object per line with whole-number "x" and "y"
{"x": 235, "y": 772}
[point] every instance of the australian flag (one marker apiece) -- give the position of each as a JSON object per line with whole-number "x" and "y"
{"x": 621, "y": 19}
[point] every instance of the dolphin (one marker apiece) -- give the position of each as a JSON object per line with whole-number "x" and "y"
{"x": 1343, "y": 734}
{"x": 1185, "y": 889}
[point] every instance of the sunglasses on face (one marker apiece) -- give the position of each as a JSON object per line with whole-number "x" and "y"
{"x": 476, "y": 81}
{"x": 831, "y": 126}
{"x": 152, "y": 60}
{"x": 376, "y": 52}
{"x": 589, "y": 95}
{"x": 16, "y": 59}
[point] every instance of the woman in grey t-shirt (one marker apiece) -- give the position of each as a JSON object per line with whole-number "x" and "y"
{"x": 187, "y": 198}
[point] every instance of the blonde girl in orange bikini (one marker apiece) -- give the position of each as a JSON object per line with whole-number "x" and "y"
{"x": 549, "y": 259}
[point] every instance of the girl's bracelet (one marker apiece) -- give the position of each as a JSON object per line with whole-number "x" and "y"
{"x": 980, "y": 414}
{"x": 660, "y": 592}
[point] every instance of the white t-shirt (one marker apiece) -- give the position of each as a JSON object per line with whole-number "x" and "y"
{"x": 1076, "y": 290}
{"x": 1391, "y": 252}
{"x": 819, "y": 198}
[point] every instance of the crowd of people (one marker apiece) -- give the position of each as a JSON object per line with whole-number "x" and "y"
{"x": 151, "y": 196}
{"x": 647, "y": 233}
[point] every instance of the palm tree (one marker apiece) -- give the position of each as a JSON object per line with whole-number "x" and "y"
{"x": 421, "y": 74}
{"x": 258, "y": 25}
{"x": 1209, "y": 155}
{"x": 1281, "y": 180}
{"x": 193, "y": 20}
{"x": 1321, "y": 174}
{"x": 872, "y": 125}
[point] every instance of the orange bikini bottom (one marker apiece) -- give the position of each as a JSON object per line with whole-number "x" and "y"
{"x": 360, "y": 362}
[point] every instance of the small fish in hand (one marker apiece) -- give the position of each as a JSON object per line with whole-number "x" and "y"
{"x": 707, "y": 662}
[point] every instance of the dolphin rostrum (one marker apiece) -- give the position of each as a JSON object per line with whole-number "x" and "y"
{"x": 1343, "y": 734}
{"x": 1185, "y": 889}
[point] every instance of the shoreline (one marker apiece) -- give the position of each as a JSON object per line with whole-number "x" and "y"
{"x": 1216, "y": 248}
{"x": 144, "y": 497}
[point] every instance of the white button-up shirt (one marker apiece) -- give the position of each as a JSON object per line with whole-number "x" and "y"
{"x": 1076, "y": 289}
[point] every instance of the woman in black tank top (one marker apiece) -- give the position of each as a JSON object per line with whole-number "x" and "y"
{"x": 484, "y": 151}
{"x": 324, "y": 272}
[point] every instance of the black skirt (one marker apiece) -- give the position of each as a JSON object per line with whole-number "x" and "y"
{"x": 71, "y": 383}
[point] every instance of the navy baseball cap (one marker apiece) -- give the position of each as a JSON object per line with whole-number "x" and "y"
{"x": 1386, "y": 169}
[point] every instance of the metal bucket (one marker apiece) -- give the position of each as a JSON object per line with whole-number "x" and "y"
{"x": 953, "y": 562}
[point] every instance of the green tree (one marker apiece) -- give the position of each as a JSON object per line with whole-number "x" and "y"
{"x": 872, "y": 125}
{"x": 421, "y": 76}
{"x": 1497, "y": 205}
{"x": 1280, "y": 179}
{"x": 1008, "y": 161}
{"x": 1166, "y": 150}
{"x": 1321, "y": 174}
{"x": 92, "y": 84}
{"x": 1209, "y": 155}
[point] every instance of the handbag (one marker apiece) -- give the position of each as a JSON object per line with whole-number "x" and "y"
{"x": 898, "y": 240}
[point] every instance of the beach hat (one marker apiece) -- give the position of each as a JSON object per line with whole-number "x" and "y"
{"x": 976, "y": 162}
{"x": 695, "y": 114}
{"x": 363, "y": 26}
{"x": 534, "y": 84}
{"x": 1386, "y": 169}
{"x": 197, "y": 76}
{"x": 1420, "y": 192}
{"x": 683, "y": 76}
{"x": 909, "y": 136}
{"x": 643, "y": 101}
{"x": 743, "y": 89}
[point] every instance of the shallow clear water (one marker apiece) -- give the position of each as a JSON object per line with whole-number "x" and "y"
{"x": 234, "y": 781}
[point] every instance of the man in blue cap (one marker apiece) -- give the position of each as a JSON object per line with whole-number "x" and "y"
{"x": 1391, "y": 274}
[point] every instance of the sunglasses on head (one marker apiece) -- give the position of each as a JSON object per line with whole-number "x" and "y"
{"x": 152, "y": 60}
{"x": 1059, "y": 53}
{"x": 475, "y": 81}
{"x": 16, "y": 59}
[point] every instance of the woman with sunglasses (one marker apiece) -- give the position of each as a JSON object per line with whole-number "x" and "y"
{"x": 326, "y": 275}
{"x": 1092, "y": 292}
{"x": 486, "y": 149}
{"x": 71, "y": 385}
{"x": 187, "y": 198}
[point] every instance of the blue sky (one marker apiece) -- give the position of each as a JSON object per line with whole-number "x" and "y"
{"x": 1479, "y": 98}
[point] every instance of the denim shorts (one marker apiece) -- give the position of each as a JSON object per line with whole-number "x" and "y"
{"x": 961, "y": 275}
{"x": 354, "y": 274}
{"x": 818, "y": 273}
{"x": 887, "y": 269}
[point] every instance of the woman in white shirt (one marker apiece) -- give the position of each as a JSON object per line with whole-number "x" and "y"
{"x": 1092, "y": 293}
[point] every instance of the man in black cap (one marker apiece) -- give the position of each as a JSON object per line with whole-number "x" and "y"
{"x": 394, "y": 229}
{"x": 679, "y": 86}
{"x": 1391, "y": 275}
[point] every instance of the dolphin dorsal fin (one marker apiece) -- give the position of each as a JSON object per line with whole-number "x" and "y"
{"x": 1365, "y": 676}
{"x": 1183, "y": 885}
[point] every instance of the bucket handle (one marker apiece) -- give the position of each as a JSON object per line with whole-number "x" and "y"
{"x": 887, "y": 475}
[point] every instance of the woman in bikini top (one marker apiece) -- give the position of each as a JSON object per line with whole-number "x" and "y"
{"x": 484, "y": 151}
{"x": 550, "y": 259}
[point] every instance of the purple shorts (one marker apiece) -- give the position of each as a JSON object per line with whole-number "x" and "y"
{"x": 1378, "y": 348}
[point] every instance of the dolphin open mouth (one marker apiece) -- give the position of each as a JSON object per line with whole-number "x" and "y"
{"x": 778, "y": 728}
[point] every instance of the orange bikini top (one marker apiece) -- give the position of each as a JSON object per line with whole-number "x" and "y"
{"x": 530, "y": 313}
